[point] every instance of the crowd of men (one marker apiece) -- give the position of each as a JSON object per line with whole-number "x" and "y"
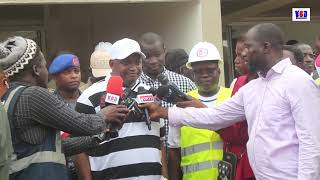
{"x": 265, "y": 126}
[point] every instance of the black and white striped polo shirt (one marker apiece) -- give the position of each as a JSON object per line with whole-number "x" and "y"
{"x": 134, "y": 155}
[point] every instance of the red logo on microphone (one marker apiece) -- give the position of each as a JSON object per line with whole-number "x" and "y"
{"x": 145, "y": 98}
{"x": 112, "y": 98}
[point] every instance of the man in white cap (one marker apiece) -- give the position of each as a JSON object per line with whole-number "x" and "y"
{"x": 135, "y": 154}
{"x": 201, "y": 150}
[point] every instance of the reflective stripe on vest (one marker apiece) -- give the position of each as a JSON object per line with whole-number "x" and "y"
{"x": 38, "y": 157}
{"x": 200, "y": 166}
{"x": 204, "y": 152}
{"x": 201, "y": 147}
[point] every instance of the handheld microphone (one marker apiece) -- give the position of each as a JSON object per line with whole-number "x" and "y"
{"x": 175, "y": 94}
{"x": 163, "y": 79}
{"x": 129, "y": 91}
{"x": 129, "y": 103}
{"x": 145, "y": 97}
{"x": 114, "y": 91}
{"x": 112, "y": 96}
{"x": 162, "y": 92}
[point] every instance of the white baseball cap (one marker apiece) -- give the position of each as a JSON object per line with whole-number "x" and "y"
{"x": 99, "y": 63}
{"x": 125, "y": 47}
{"x": 203, "y": 51}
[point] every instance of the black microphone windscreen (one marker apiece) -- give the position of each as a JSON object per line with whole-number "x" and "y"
{"x": 153, "y": 91}
{"x": 163, "y": 91}
{"x": 163, "y": 79}
{"x": 141, "y": 89}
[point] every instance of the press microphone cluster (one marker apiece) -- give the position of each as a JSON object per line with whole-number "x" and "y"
{"x": 115, "y": 95}
{"x": 143, "y": 96}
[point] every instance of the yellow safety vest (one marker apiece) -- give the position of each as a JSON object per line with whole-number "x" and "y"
{"x": 318, "y": 81}
{"x": 201, "y": 149}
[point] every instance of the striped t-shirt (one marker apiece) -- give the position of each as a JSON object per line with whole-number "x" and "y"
{"x": 134, "y": 155}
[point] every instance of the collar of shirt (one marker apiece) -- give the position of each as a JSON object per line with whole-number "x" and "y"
{"x": 277, "y": 68}
{"x": 149, "y": 80}
{"x": 56, "y": 92}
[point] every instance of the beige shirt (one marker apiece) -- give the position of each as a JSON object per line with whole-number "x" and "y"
{"x": 6, "y": 149}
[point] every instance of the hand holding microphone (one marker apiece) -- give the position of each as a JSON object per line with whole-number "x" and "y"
{"x": 113, "y": 100}
{"x": 111, "y": 108}
{"x": 114, "y": 113}
{"x": 155, "y": 111}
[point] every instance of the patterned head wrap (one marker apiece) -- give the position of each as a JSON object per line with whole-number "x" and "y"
{"x": 15, "y": 53}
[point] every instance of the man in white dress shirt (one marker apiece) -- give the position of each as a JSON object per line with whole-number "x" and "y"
{"x": 281, "y": 108}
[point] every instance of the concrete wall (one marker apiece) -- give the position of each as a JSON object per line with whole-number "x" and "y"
{"x": 302, "y": 31}
{"x": 78, "y": 28}
{"x": 212, "y": 28}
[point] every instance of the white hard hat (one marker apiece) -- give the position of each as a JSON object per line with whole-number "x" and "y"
{"x": 99, "y": 63}
{"x": 203, "y": 51}
{"x": 103, "y": 46}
